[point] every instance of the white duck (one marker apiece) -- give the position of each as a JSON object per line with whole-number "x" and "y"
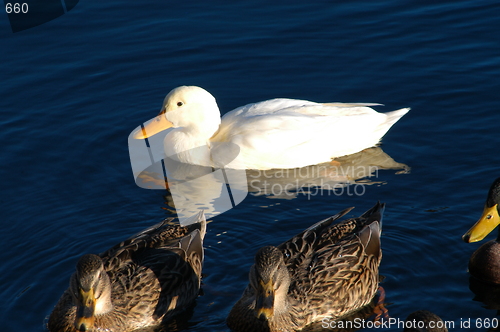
{"x": 276, "y": 133}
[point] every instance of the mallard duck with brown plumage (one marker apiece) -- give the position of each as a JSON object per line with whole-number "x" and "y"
{"x": 143, "y": 281}
{"x": 327, "y": 271}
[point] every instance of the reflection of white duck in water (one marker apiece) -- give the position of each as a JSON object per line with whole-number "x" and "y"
{"x": 194, "y": 188}
{"x": 277, "y": 133}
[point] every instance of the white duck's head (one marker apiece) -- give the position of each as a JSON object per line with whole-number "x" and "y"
{"x": 188, "y": 107}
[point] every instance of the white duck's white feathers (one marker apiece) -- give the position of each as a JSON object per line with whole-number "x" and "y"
{"x": 277, "y": 133}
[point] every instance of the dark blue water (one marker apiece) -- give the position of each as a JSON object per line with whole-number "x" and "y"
{"x": 74, "y": 88}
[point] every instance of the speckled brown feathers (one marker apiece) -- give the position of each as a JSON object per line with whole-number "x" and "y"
{"x": 331, "y": 268}
{"x": 154, "y": 275}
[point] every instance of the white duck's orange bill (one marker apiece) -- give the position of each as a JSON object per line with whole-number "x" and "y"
{"x": 154, "y": 126}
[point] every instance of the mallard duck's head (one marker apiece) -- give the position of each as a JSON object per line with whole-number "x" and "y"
{"x": 185, "y": 106}
{"x": 270, "y": 280}
{"x": 91, "y": 290}
{"x": 490, "y": 218}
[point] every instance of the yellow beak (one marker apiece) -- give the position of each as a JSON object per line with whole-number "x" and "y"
{"x": 264, "y": 304}
{"x": 84, "y": 320}
{"x": 488, "y": 221}
{"x": 153, "y": 126}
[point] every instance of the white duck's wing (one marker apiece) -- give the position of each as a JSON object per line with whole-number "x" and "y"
{"x": 285, "y": 133}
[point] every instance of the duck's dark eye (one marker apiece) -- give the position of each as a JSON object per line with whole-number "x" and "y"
{"x": 180, "y": 103}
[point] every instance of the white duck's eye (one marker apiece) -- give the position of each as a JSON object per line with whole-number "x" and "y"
{"x": 180, "y": 103}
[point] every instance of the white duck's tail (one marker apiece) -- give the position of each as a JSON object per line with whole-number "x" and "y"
{"x": 394, "y": 116}
{"x": 391, "y": 119}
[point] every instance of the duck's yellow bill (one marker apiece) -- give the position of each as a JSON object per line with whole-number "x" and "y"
{"x": 487, "y": 223}
{"x": 152, "y": 127}
{"x": 264, "y": 304}
{"x": 84, "y": 320}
